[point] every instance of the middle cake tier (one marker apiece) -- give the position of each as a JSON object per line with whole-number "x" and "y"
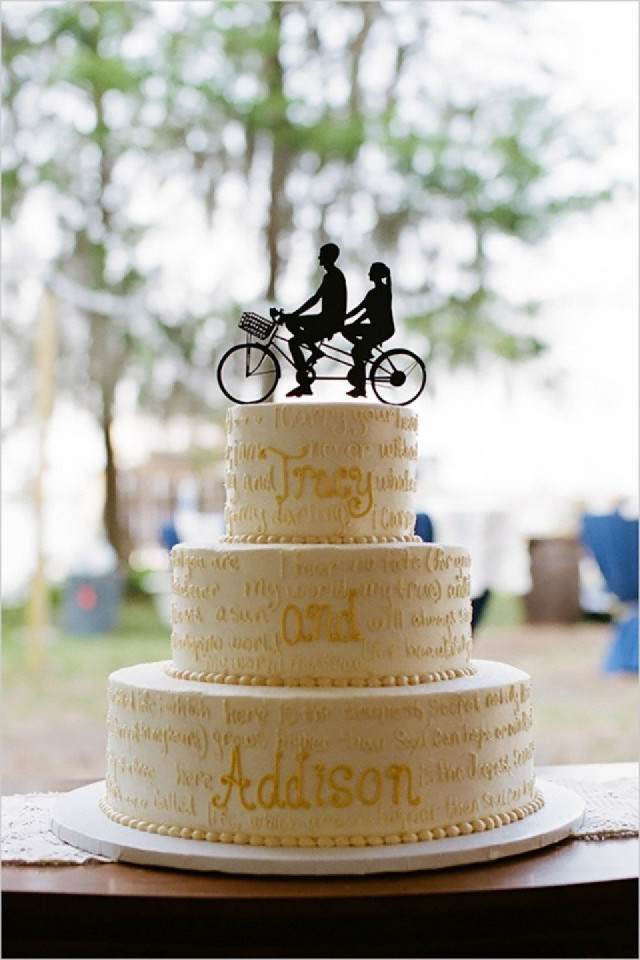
{"x": 361, "y": 615}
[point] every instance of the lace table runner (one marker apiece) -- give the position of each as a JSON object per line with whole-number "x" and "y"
{"x": 27, "y": 837}
{"x": 611, "y": 812}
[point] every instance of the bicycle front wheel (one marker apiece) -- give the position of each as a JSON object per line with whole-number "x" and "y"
{"x": 398, "y": 376}
{"x": 248, "y": 373}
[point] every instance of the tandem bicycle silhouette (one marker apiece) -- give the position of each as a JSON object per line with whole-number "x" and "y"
{"x": 249, "y": 372}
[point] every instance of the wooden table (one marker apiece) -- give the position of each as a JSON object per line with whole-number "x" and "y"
{"x": 575, "y": 899}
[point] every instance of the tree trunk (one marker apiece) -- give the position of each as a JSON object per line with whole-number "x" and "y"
{"x": 279, "y": 156}
{"x": 111, "y": 513}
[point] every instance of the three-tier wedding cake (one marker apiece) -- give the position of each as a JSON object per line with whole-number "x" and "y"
{"x": 321, "y": 690}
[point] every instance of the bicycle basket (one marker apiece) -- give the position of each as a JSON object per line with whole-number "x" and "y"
{"x": 256, "y": 325}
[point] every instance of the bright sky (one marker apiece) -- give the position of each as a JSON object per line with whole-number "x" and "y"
{"x": 494, "y": 438}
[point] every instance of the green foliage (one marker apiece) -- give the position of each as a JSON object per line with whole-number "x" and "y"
{"x": 134, "y": 584}
{"x": 325, "y": 113}
{"x": 480, "y": 156}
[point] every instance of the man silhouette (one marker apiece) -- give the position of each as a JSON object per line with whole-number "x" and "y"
{"x": 310, "y": 329}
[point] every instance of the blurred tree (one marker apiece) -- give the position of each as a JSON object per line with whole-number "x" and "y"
{"x": 374, "y": 124}
{"x": 407, "y": 131}
{"x": 82, "y": 126}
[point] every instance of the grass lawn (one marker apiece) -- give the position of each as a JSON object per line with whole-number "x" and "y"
{"x": 54, "y": 720}
{"x": 581, "y": 715}
{"x": 75, "y": 668}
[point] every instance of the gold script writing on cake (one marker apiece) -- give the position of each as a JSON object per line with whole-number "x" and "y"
{"x": 348, "y": 484}
{"x": 321, "y": 690}
{"x": 314, "y": 784}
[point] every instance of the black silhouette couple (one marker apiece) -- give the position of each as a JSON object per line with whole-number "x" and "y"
{"x": 373, "y": 326}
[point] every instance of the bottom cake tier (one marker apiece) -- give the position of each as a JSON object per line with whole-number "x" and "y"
{"x": 321, "y": 767}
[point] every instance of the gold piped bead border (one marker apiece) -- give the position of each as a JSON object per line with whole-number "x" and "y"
{"x": 465, "y": 828}
{"x": 264, "y": 538}
{"x": 399, "y": 680}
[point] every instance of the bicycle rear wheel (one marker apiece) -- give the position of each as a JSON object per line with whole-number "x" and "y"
{"x": 398, "y": 376}
{"x": 248, "y": 373}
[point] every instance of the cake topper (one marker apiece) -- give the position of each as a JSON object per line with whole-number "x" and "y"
{"x": 312, "y": 329}
{"x": 249, "y": 372}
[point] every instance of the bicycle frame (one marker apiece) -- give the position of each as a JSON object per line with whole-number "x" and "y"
{"x": 386, "y": 369}
{"x": 270, "y": 344}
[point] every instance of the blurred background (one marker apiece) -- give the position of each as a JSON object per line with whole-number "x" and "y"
{"x": 167, "y": 165}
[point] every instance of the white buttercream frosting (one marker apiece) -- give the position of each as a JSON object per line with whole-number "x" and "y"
{"x": 297, "y": 765}
{"x": 302, "y": 615}
{"x": 321, "y": 472}
{"x": 321, "y": 690}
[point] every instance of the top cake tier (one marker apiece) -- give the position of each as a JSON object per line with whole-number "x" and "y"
{"x": 320, "y": 473}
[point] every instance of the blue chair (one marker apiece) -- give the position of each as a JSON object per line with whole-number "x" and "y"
{"x": 613, "y": 541}
{"x": 169, "y": 535}
{"x": 424, "y": 527}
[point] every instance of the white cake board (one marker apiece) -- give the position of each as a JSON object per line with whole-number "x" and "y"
{"x": 78, "y": 820}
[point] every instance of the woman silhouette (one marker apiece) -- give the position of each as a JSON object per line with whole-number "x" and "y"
{"x": 374, "y": 326}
